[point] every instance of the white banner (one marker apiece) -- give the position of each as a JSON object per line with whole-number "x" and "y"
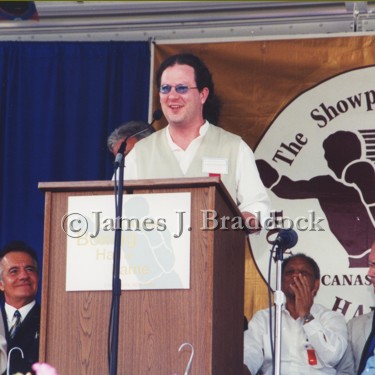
{"x": 155, "y": 242}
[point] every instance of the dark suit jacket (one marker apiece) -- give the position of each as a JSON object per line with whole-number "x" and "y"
{"x": 26, "y": 338}
{"x": 361, "y": 331}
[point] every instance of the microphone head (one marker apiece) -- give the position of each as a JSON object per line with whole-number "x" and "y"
{"x": 287, "y": 238}
{"x": 157, "y": 115}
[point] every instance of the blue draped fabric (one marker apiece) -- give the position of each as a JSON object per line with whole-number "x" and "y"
{"x": 59, "y": 101}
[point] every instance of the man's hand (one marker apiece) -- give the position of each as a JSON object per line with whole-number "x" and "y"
{"x": 251, "y": 222}
{"x": 304, "y": 294}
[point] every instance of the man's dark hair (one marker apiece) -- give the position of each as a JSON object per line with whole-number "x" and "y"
{"x": 18, "y": 246}
{"x": 309, "y": 260}
{"x": 127, "y": 130}
{"x": 203, "y": 78}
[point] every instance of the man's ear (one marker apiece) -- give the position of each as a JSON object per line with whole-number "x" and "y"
{"x": 204, "y": 94}
{"x": 1, "y": 286}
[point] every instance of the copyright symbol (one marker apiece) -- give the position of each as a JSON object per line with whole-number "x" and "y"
{"x": 74, "y": 225}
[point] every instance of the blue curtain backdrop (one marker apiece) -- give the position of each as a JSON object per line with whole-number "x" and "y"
{"x": 59, "y": 101}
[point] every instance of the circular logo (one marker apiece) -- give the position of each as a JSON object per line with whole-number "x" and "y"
{"x": 317, "y": 160}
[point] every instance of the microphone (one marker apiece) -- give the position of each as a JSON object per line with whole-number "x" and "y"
{"x": 156, "y": 116}
{"x": 286, "y": 238}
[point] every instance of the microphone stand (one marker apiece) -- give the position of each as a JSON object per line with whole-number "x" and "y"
{"x": 279, "y": 300}
{"x": 116, "y": 281}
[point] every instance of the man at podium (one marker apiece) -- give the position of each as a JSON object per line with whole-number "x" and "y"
{"x": 190, "y": 146}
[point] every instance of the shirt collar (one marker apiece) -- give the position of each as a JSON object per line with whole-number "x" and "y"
{"x": 202, "y": 131}
{"x": 24, "y": 310}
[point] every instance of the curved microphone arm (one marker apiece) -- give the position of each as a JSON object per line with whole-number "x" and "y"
{"x": 188, "y": 366}
{"x": 9, "y": 355}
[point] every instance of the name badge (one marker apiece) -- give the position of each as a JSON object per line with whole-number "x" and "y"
{"x": 312, "y": 357}
{"x": 215, "y": 166}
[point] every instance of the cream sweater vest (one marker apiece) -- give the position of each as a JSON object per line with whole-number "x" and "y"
{"x": 155, "y": 159}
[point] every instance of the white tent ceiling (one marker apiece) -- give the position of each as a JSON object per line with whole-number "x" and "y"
{"x": 172, "y": 20}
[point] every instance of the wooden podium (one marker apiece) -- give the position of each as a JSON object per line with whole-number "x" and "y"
{"x": 153, "y": 323}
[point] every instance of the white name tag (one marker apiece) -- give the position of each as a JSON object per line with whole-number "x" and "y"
{"x": 215, "y": 165}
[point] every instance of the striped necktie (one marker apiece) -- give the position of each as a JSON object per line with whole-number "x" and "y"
{"x": 16, "y": 324}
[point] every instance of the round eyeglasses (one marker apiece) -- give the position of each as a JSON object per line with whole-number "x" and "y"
{"x": 180, "y": 89}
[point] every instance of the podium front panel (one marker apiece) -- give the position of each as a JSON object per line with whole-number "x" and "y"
{"x": 153, "y": 323}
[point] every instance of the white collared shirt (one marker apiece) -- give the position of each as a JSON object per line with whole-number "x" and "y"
{"x": 325, "y": 335}
{"x": 185, "y": 157}
{"x": 24, "y": 310}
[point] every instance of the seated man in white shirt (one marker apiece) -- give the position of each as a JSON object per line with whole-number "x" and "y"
{"x": 313, "y": 338}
